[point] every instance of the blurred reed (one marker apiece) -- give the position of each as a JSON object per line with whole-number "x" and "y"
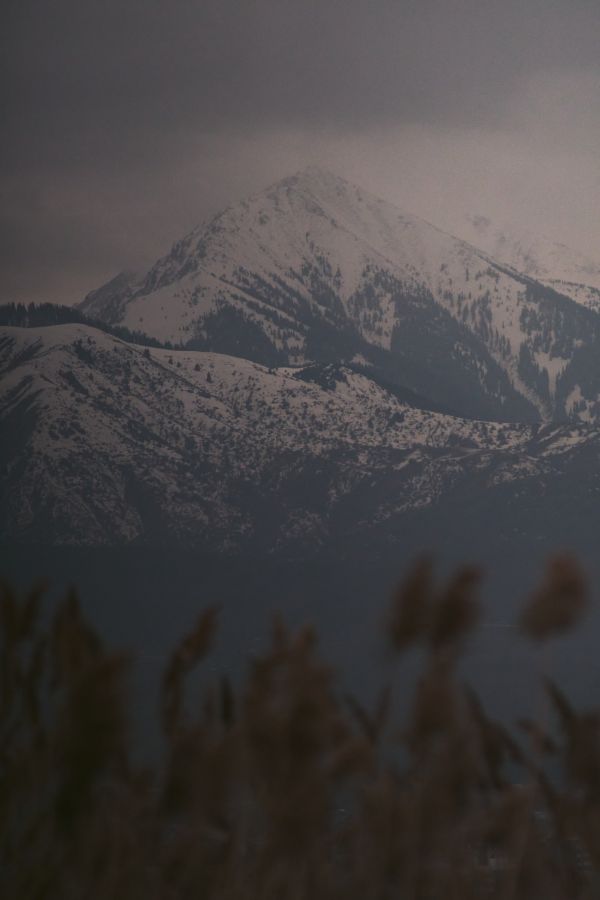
{"x": 283, "y": 788}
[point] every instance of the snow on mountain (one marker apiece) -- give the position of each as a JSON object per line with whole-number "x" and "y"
{"x": 311, "y": 224}
{"x": 314, "y": 268}
{"x": 114, "y": 443}
{"x": 547, "y": 261}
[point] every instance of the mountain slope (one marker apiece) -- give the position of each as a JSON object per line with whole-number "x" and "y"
{"x": 111, "y": 443}
{"x": 315, "y": 269}
{"x": 547, "y": 261}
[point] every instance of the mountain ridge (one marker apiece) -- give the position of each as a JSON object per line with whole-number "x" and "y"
{"x": 315, "y": 269}
{"x": 114, "y": 444}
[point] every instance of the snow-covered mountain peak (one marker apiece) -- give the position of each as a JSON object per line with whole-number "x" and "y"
{"x": 312, "y": 219}
{"x": 349, "y": 205}
{"x": 314, "y": 268}
{"x": 313, "y": 223}
{"x": 315, "y": 179}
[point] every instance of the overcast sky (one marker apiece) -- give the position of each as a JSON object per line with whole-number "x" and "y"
{"x": 127, "y": 122}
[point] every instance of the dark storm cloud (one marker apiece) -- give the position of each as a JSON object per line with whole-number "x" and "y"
{"x": 105, "y": 104}
{"x": 107, "y": 73}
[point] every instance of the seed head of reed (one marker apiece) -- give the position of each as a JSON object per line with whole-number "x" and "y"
{"x": 559, "y": 602}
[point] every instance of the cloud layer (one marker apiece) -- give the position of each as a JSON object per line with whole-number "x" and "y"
{"x": 127, "y": 122}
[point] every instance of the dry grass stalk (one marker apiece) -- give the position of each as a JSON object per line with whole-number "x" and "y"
{"x": 279, "y": 787}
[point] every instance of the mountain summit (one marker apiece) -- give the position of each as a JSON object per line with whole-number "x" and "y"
{"x": 314, "y": 268}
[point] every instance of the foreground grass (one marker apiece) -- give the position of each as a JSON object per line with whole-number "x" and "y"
{"x": 282, "y": 788}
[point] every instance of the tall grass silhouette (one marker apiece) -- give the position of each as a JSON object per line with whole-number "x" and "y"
{"x": 282, "y": 787}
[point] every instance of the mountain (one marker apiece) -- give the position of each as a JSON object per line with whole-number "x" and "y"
{"x": 109, "y": 443}
{"x": 547, "y": 261}
{"x": 314, "y": 269}
{"x": 343, "y": 376}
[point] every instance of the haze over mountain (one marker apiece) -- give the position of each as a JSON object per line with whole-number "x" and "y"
{"x": 551, "y": 263}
